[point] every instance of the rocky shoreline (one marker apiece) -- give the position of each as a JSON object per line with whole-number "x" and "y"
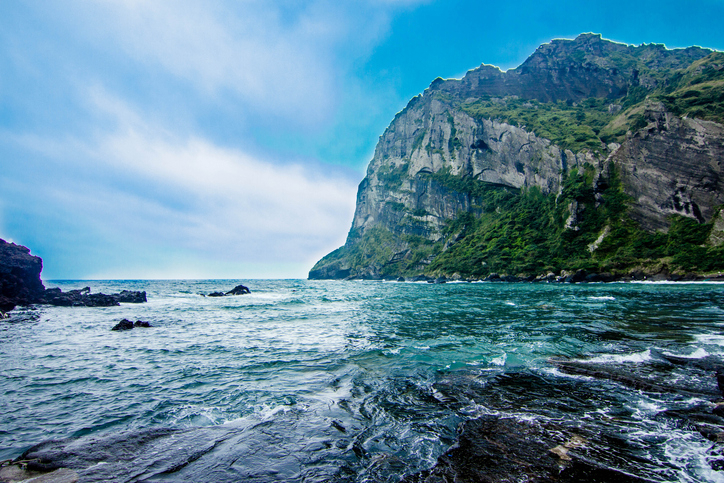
{"x": 564, "y": 276}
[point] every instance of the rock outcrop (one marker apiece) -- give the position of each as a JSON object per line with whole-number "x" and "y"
{"x": 126, "y": 324}
{"x": 84, "y": 298}
{"x": 20, "y": 282}
{"x": 575, "y": 108}
{"x": 238, "y": 290}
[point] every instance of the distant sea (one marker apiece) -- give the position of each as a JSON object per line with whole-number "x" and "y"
{"x": 359, "y": 381}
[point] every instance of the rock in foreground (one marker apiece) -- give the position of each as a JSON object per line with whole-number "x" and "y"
{"x": 494, "y": 449}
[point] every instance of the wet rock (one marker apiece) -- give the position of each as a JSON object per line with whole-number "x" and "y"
{"x": 420, "y": 278}
{"x": 129, "y": 297}
{"x": 401, "y": 279}
{"x": 17, "y": 472}
{"x": 238, "y": 290}
{"x": 84, "y": 298}
{"x": 600, "y": 277}
{"x": 124, "y": 324}
{"x": 496, "y": 449}
{"x": 545, "y": 277}
{"x": 625, "y": 374}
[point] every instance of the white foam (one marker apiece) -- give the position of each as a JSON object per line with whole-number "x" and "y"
{"x": 699, "y": 353}
{"x": 499, "y": 361}
{"x": 602, "y": 297}
{"x": 620, "y": 358}
{"x": 555, "y": 372}
{"x": 510, "y": 303}
{"x": 713, "y": 339}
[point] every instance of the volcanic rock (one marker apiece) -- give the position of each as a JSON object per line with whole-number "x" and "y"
{"x": 19, "y": 276}
{"x": 238, "y": 290}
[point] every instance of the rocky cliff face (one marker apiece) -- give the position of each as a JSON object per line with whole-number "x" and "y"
{"x": 573, "y": 107}
{"x": 672, "y": 166}
{"x": 19, "y": 276}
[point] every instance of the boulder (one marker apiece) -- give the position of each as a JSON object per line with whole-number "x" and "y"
{"x": 124, "y": 324}
{"x": 238, "y": 290}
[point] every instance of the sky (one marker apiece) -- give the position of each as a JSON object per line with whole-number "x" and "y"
{"x": 226, "y": 139}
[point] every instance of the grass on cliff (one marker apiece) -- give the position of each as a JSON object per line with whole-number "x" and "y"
{"x": 573, "y": 126}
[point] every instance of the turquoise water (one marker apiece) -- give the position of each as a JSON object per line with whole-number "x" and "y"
{"x": 359, "y": 381}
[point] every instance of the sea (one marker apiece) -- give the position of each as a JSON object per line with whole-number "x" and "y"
{"x": 362, "y": 380}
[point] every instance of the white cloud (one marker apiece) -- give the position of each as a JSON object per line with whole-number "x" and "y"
{"x": 196, "y": 206}
{"x": 275, "y": 61}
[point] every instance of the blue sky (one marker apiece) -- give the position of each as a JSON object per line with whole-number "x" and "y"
{"x": 200, "y": 139}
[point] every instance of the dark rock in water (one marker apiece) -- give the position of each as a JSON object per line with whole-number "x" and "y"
{"x": 238, "y": 290}
{"x": 19, "y": 276}
{"x": 420, "y": 278}
{"x": 599, "y": 277}
{"x": 84, "y": 298}
{"x": 127, "y": 296}
{"x": 124, "y": 324}
{"x": 401, "y": 279}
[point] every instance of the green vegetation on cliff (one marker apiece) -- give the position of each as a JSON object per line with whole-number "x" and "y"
{"x": 568, "y": 125}
{"x": 526, "y": 234}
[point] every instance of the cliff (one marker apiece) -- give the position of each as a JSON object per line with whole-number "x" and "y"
{"x": 19, "y": 276}
{"x": 590, "y": 155}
